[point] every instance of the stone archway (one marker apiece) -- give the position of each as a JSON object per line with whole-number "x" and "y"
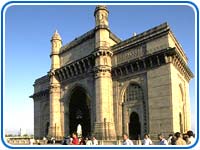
{"x": 134, "y": 126}
{"x": 79, "y": 111}
{"x": 134, "y": 112}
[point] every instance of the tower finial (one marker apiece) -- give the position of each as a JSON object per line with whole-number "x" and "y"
{"x": 56, "y": 36}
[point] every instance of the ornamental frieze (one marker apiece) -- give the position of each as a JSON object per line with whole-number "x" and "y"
{"x": 130, "y": 54}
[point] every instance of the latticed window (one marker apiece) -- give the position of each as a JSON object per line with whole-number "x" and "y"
{"x": 133, "y": 92}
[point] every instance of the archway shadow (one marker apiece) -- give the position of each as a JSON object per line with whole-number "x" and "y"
{"x": 79, "y": 112}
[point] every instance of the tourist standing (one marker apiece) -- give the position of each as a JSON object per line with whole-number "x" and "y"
{"x": 89, "y": 141}
{"x": 179, "y": 139}
{"x": 162, "y": 140}
{"x": 173, "y": 140}
{"x": 68, "y": 140}
{"x": 31, "y": 141}
{"x": 185, "y": 138}
{"x": 53, "y": 140}
{"x": 169, "y": 140}
{"x": 127, "y": 141}
{"x": 75, "y": 140}
{"x": 190, "y": 137}
{"x": 147, "y": 140}
{"x": 94, "y": 141}
{"x": 82, "y": 141}
{"x": 45, "y": 140}
{"x": 138, "y": 142}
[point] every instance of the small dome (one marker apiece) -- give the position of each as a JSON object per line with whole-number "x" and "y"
{"x": 56, "y": 36}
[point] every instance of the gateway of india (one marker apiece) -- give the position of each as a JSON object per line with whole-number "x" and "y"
{"x": 110, "y": 87}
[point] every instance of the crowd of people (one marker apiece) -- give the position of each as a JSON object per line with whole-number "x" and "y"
{"x": 173, "y": 139}
{"x": 74, "y": 140}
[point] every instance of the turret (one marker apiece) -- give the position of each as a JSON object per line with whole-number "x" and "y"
{"x": 55, "y": 124}
{"x": 104, "y": 125}
{"x": 101, "y": 16}
{"x": 102, "y": 27}
{"x": 56, "y": 44}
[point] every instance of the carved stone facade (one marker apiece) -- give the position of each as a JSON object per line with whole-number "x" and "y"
{"x": 109, "y": 86}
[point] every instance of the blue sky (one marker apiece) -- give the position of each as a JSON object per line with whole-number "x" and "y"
{"x": 29, "y": 29}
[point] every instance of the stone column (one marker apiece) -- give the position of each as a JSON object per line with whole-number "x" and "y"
{"x": 55, "y": 112}
{"x": 104, "y": 125}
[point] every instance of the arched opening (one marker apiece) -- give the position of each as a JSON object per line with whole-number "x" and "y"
{"x": 134, "y": 102}
{"x": 134, "y": 126}
{"x": 79, "y": 112}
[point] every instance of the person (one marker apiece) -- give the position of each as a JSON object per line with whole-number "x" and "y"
{"x": 185, "y": 138}
{"x": 82, "y": 141}
{"x": 173, "y": 140}
{"x": 126, "y": 141}
{"x": 53, "y": 140}
{"x": 31, "y": 141}
{"x": 138, "y": 141}
{"x": 94, "y": 141}
{"x": 190, "y": 137}
{"x": 147, "y": 140}
{"x": 38, "y": 142}
{"x": 179, "y": 140}
{"x": 64, "y": 141}
{"x": 45, "y": 140}
{"x": 75, "y": 140}
{"x": 88, "y": 141}
{"x": 162, "y": 140}
{"x": 169, "y": 140}
{"x": 68, "y": 140}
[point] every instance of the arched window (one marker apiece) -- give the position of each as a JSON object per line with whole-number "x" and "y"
{"x": 133, "y": 92}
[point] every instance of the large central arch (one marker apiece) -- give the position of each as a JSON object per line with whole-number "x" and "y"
{"x": 79, "y": 111}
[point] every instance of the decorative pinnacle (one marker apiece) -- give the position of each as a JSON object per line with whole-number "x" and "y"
{"x": 56, "y": 36}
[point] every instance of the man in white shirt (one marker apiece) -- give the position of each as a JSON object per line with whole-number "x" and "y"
{"x": 127, "y": 141}
{"x": 147, "y": 140}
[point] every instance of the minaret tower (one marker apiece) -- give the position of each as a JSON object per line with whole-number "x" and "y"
{"x": 104, "y": 125}
{"x": 55, "y": 120}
